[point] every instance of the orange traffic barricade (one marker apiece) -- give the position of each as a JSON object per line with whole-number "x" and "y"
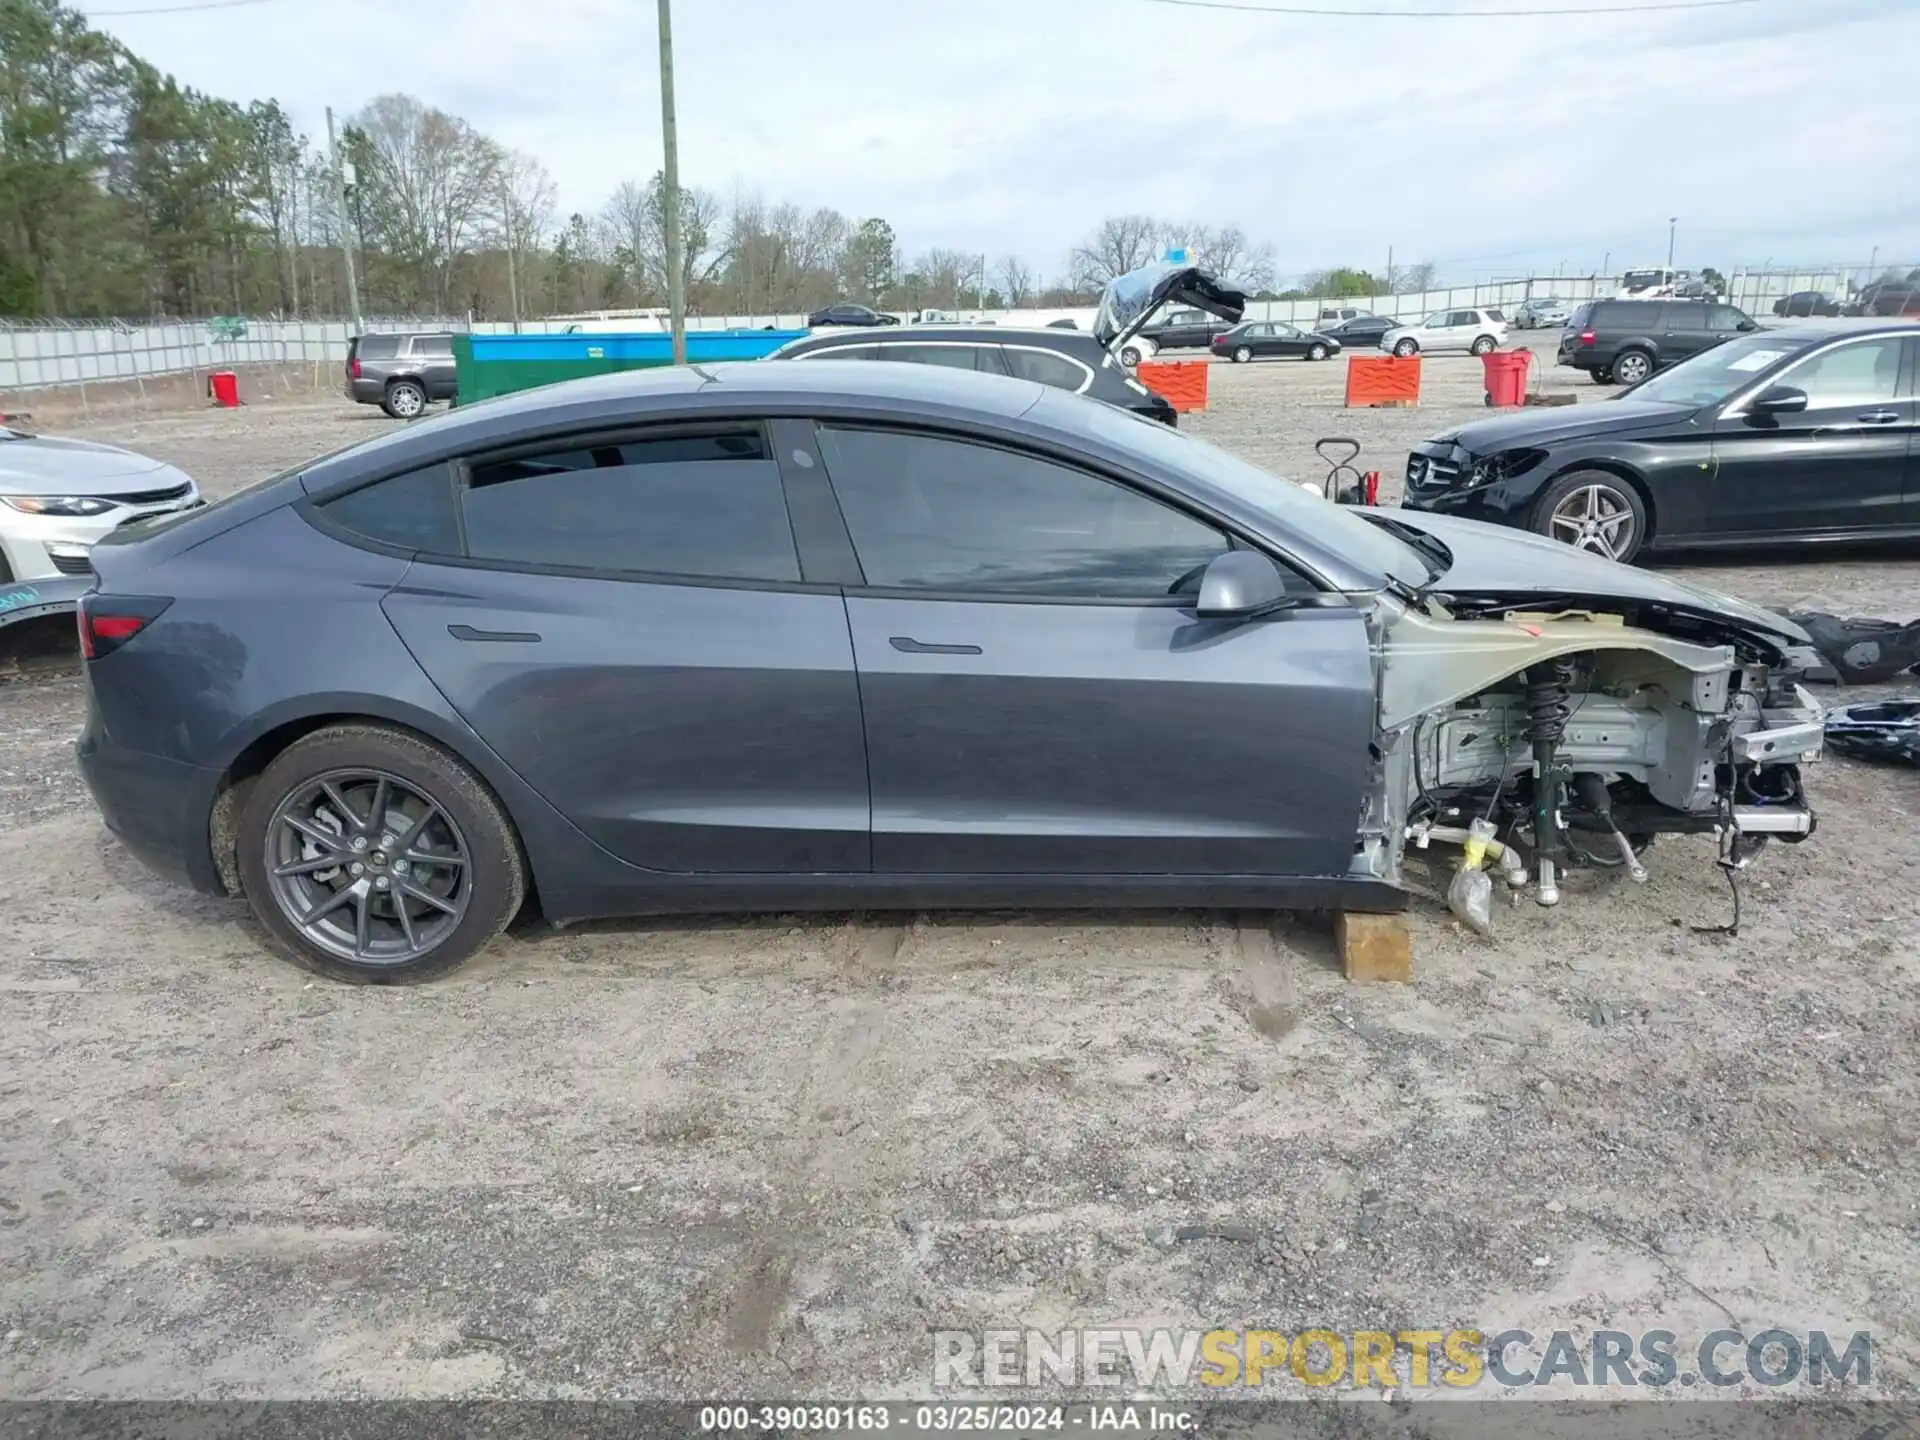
{"x": 1383, "y": 380}
{"x": 1182, "y": 382}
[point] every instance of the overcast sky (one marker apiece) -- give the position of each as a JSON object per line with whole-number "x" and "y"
{"x": 1782, "y": 129}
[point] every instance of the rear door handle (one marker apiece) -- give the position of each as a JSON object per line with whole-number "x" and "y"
{"x": 907, "y": 645}
{"x": 502, "y": 637}
{"x": 1880, "y": 417}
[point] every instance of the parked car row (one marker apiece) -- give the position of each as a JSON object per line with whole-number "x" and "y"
{"x": 1783, "y": 434}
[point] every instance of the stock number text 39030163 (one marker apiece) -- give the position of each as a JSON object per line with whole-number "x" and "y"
{"x": 905, "y": 1418}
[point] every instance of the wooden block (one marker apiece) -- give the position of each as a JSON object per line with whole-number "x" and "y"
{"x": 1393, "y": 404}
{"x": 1374, "y": 949}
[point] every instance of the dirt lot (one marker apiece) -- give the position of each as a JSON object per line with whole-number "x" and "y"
{"x": 768, "y": 1158}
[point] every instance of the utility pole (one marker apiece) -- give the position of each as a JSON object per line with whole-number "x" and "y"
{"x": 340, "y": 209}
{"x": 1388, "y": 282}
{"x": 983, "y": 282}
{"x": 513, "y": 281}
{"x": 1673, "y": 222}
{"x": 670, "y": 191}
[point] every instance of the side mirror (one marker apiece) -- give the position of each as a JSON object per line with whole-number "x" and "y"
{"x": 1238, "y": 585}
{"x": 1779, "y": 400}
{"x": 1748, "y": 325}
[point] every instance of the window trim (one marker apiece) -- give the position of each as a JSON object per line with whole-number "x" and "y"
{"x": 1734, "y": 408}
{"x": 312, "y": 508}
{"x": 1179, "y": 504}
{"x": 1085, "y": 369}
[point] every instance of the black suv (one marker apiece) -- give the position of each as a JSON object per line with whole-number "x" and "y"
{"x": 402, "y": 373}
{"x": 1625, "y": 341}
{"x": 1065, "y": 359}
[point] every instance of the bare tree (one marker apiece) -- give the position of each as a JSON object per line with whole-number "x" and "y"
{"x": 938, "y": 276}
{"x": 1122, "y": 243}
{"x": 636, "y": 215}
{"x": 428, "y": 181}
{"x": 1016, "y": 281}
{"x": 1412, "y": 279}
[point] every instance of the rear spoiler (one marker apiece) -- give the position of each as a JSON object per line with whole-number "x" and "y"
{"x": 22, "y": 601}
{"x": 1129, "y": 301}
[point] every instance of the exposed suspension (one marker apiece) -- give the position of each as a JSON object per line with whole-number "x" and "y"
{"x": 1549, "y": 695}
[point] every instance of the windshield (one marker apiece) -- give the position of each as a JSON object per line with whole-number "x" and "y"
{"x": 1712, "y": 376}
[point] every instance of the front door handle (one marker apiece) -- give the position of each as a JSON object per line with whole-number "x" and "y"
{"x": 1880, "y": 417}
{"x": 502, "y": 637}
{"x": 907, "y": 645}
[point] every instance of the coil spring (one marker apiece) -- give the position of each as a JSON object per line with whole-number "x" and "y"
{"x": 1549, "y": 700}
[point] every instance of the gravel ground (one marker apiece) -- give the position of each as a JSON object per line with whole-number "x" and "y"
{"x": 769, "y": 1157}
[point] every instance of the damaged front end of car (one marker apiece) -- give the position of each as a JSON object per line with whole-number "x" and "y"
{"x": 1546, "y": 733}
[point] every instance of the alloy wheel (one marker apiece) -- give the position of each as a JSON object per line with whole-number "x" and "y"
{"x": 1242, "y": 355}
{"x": 1597, "y": 518}
{"x": 407, "y": 401}
{"x": 368, "y": 867}
{"x": 1631, "y": 368}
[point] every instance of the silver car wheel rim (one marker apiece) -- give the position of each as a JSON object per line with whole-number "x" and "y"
{"x": 1596, "y": 518}
{"x": 368, "y": 867}
{"x": 407, "y": 401}
{"x": 1630, "y": 369}
{"x": 1243, "y": 354}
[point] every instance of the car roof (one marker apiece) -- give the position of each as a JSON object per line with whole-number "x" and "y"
{"x": 1047, "y": 337}
{"x": 641, "y": 396}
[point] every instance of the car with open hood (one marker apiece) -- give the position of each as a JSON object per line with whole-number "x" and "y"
{"x": 1130, "y": 303}
{"x": 59, "y": 496}
{"x": 840, "y": 635}
{"x": 1805, "y": 434}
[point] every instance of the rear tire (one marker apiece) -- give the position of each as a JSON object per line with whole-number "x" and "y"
{"x": 1630, "y": 367}
{"x": 1242, "y": 355}
{"x": 1407, "y": 349}
{"x": 1129, "y": 355}
{"x": 487, "y": 887}
{"x": 404, "y": 400}
{"x": 1602, "y": 376}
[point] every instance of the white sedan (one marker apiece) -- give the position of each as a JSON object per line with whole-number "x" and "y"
{"x": 59, "y": 496}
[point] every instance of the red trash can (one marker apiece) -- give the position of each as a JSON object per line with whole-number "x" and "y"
{"x": 1506, "y": 374}
{"x": 224, "y": 386}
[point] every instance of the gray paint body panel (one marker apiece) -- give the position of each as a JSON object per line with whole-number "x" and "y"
{"x": 1112, "y": 738}
{"x": 682, "y": 728}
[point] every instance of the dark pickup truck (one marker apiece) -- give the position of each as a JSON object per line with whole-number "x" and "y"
{"x": 1186, "y": 330}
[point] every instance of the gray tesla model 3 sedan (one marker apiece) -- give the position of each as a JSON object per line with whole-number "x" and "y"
{"x": 866, "y": 635}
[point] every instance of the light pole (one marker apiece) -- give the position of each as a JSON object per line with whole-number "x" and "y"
{"x": 1673, "y": 222}
{"x": 670, "y": 191}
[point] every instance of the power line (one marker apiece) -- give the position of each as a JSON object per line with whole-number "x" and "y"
{"x": 173, "y": 9}
{"x": 1324, "y": 10}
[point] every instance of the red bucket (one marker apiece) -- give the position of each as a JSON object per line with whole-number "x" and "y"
{"x": 224, "y": 387}
{"x": 1506, "y": 374}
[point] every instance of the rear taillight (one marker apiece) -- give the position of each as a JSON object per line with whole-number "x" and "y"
{"x": 353, "y": 368}
{"x": 1586, "y": 337}
{"x": 108, "y": 621}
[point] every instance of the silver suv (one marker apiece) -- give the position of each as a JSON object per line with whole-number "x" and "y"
{"x": 1474, "y": 331}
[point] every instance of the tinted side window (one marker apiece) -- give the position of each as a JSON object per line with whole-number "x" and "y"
{"x": 929, "y": 513}
{"x": 841, "y": 352}
{"x": 378, "y": 347}
{"x": 436, "y": 345}
{"x": 709, "y": 505}
{"x": 1723, "y": 317}
{"x": 1867, "y": 373}
{"x": 1684, "y": 315}
{"x": 954, "y": 357}
{"x": 414, "y": 511}
{"x": 1045, "y": 367}
{"x": 1582, "y": 316}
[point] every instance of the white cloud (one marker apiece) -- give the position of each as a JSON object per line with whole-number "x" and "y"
{"x": 1777, "y": 130}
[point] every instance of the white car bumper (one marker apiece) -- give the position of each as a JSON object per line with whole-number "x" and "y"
{"x": 40, "y": 547}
